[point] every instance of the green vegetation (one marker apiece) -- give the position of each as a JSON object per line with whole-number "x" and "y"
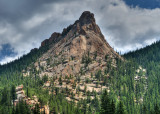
{"x": 149, "y": 58}
{"x": 132, "y": 89}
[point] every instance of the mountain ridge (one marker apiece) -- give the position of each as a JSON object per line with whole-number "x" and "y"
{"x": 85, "y": 23}
{"x": 74, "y": 68}
{"x": 79, "y": 41}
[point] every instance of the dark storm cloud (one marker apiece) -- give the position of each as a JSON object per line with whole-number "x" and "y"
{"x": 15, "y": 10}
{"x": 25, "y": 23}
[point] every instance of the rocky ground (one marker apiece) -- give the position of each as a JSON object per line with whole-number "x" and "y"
{"x": 30, "y": 101}
{"x": 140, "y": 78}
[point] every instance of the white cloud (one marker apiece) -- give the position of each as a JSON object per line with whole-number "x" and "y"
{"x": 150, "y": 41}
{"x": 35, "y": 21}
{"x": 125, "y": 28}
{"x": 2, "y": 30}
{"x": 8, "y": 59}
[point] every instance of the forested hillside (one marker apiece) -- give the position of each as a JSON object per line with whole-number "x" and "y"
{"x": 149, "y": 58}
{"x": 77, "y": 71}
{"x": 124, "y": 89}
{"x": 120, "y": 82}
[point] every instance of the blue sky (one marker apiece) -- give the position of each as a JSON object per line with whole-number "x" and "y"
{"x": 149, "y": 4}
{"x": 25, "y": 23}
{"x": 7, "y": 50}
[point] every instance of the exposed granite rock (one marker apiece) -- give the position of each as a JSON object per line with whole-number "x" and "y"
{"x": 77, "y": 40}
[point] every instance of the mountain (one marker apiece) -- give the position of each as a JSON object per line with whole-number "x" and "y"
{"x": 82, "y": 40}
{"x": 77, "y": 71}
{"x": 83, "y": 36}
{"x": 70, "y": 66}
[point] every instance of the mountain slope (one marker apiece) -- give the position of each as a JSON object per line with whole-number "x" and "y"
{"x": 81, "y": 64}
{"x": 69, "y": 73}
{"x": 83, "y": 36}
{"x": 79, "y": 45}
{"x": 147, "y": 55}
{"x": 149, "y": 58}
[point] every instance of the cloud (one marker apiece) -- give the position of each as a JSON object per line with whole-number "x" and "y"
{"x": 130, "y": 27}
{"x": 8, "y": 59}
{"x": 25, "y": 24}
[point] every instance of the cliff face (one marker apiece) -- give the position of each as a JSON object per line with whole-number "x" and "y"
{"x": 53, "y": 39}
{"x": 79, "y": 44}
{"x": 83, "y": 36}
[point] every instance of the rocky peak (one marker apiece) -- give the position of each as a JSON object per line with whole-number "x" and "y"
{"x": 55, "y": 37}
{"x": 86, "y": 18}
{"x": 82, "y": 36}
{"x": 78, "y": 43}
{"x": 85, "y": 23}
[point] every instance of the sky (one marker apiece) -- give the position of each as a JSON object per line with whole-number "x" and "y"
{"x": 24, "y": 24}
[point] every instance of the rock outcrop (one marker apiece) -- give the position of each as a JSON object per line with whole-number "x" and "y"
{"x": 55, "y": 37}
{"x": 83, "y": 36}
{"x": 67, "y": 49}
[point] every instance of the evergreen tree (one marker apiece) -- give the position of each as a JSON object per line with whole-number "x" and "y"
{"x": 144, "y": 110}
{"x": 105, "y": 103}
{"x": 113, "y": 109}
{"x": 5, "y": 96}
{"x": 156, "y": 109}
{"x": 13, "y": 92}
{"x": 84, "y": 108}
{"x": 120, "y": 108}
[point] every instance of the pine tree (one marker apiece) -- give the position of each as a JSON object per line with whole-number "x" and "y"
{"x": 84, "y": 108}
{"x": 120, "y": 108}
{"x": 36, "y": 109}
{"x": 13, "y": 92}
{"x": 156, "y": 109}
{"x": 13, "y": 111}
{"x": 144, "y": 110}
{"x": 105, "y": 104}
{"x": 113, "y": 110}
{"x": 17, "y": 109}
{"x": 53, "y": 110}
{"x": 27, "y": 92}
